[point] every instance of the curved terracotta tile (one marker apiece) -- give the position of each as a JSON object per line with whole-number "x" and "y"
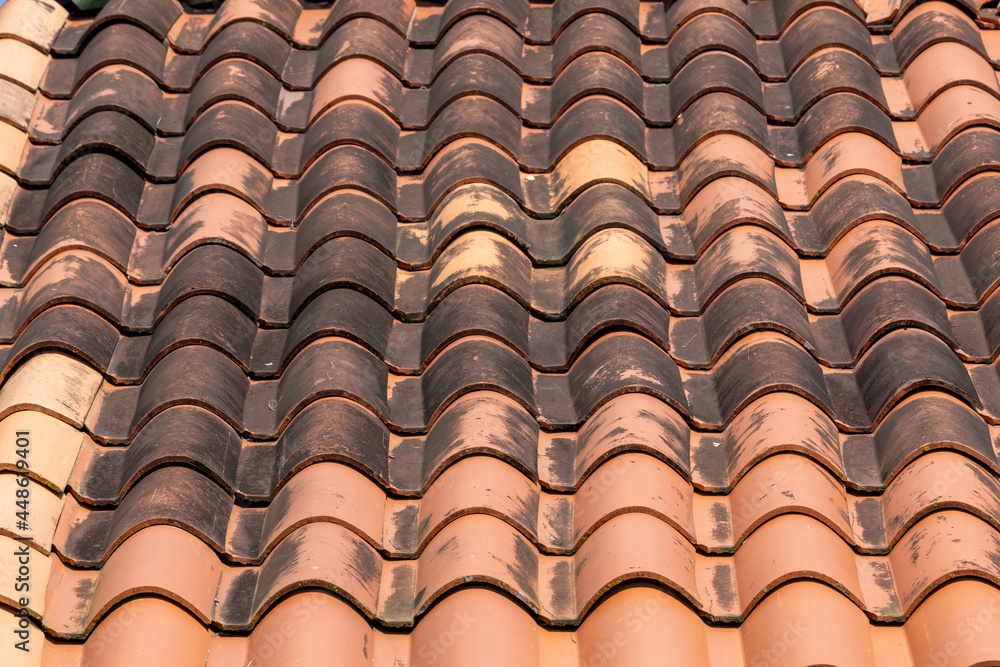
{"x": 952, "y": 111}
{"x": 319, "y": 492}
{"x": 946, "y": 542}
{"x": 275, "y": 15}
{"x": 192, "y": 230}
{"x": 405, "y": 348}
{"x": 758, "y": 431}
{"x": 836, "y": 114}
{"x": 256, "y": 42}
{"x": 931, "y": 22}
{"x": 782, "y": 484}
{"x": 934, "y": 482}
{"x": 55, "y": 283}
{"x": 50, "y": 465}
{"x": 87, "y": 538}
{"x": 804, "y": 623}
{"x": 977, "y": 259}
{"x": 876, "y": 249}
{"x": 927, "y": 76}
{"x": 357, "y": 78}
{"x": 477, "y": 33}
{"x": 13, "y": 141}
{"x": 30, "y": 62}
{"x": 53, "y": 383}
{"x": 182, "y": 569}
{"x": 44, "y": 509}
{"x": 135, "y": 92}
{"x": 36, "y": 23}
{"x": 712, "y": 30}
{"x": 760, "y": 564}
{"x": 890, "y": 303}
{"x": 88, "y": 177}
{"x": 786, "y": 12}
{"x": 89, "y": 224}
{"x": 23, "y": 569}
{"x": 680, "y": 13}
{"x": 202, "y": 439}
{"x": 962, "y": 157}
{"x": 842, "y": 156}
{"x": 970, "y": 206}
{"x": 742, "y": 252}
{"x": 824, "y": 27}
{"x": 115, "y": 44}
{"x": 719, "y": 155}
{"x": 230, "y": 79}
{"x": 584, "y": 279}
{"x": 131, "y": 141}
{"x": 362, "y": 36}
{"x": 146, "y": 628}
{"x": 751, "y": 304}
{"x": 16, "y": 104}
{"x": 157, "y": 20}
{"x": 937, "y": 628}
{"x": 428, "y": 24}
{"x": 859, "y": 198}
{"x": 305, "y": 28}
{"x": 784, "y": 366}
{"x": 315, "y": 25}
{"x": 726, "y": 202}
{"x": 827, "y": 71}
{"x": 934, "y": 365}
{"x": 225, "y": 169}
{"x": 303, "y": 67}
{"x": 723, "y": 72}
{"x": 324, "y": 491}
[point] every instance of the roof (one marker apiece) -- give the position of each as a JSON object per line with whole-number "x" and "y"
{"x": 500, "y": 332}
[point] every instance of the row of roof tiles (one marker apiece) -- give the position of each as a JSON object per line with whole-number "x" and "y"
{"x": 409, "y": 348}
{"x": 801, "y": 623}
{"x": 308, "y": 25}
{"x": 772, "y": 60}
{"x": 138, "y": 295}
{"x": 406, "y": 464}
{"x": 855, "y": 400}
{"x": 559, "y": 589}
{"x": 720, "y": 204}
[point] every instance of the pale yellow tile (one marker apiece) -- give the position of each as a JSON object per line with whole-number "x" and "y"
{"x": 20, "y": 566}
{"x": 53, "y": 446}
{"x": 9, "y": 653}
{"x": 12, "y": 142}
{"x": 44, "y": 508}
{"x": 22, "y": 63}
{"x": 35, "y": 21}
{"x": 16, "y": 103}
{"x": 53, "y": 382}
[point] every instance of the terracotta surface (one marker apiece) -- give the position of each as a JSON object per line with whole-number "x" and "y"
{"x": 501, "y": 332}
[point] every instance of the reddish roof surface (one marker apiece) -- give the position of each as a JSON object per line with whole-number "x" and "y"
{"x": 499, "y": 333}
